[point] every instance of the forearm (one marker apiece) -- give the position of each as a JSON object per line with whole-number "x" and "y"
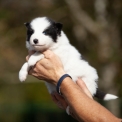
{"x": 84, "y": 107}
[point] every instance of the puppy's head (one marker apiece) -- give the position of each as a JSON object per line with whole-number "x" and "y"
{"x": 42, "y": 33}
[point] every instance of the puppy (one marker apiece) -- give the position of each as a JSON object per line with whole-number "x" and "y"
{"x": 45, "y": 34}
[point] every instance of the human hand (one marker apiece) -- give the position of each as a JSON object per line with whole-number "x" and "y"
{"x": 61, "y": 103}
{"x": 59, "y": 100}
{"x": 29, "y": 54}
{"x": 49, "y": 68}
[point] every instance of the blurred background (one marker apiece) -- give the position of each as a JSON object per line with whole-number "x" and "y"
{"x": 94, "y": 27}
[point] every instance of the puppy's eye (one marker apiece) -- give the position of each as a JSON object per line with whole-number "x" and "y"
{"x": 44, "y": 32}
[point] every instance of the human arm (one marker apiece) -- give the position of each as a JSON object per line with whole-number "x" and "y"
{"x": 61, "y": 102}
{"x": 51, "y": 69}
{"x": 84, "y": 107}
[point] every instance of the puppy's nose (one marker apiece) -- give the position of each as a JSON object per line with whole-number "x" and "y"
{"x": 35, "y": 41}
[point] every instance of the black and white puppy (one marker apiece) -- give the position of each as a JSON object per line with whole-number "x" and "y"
{"x": 46, "y": 34}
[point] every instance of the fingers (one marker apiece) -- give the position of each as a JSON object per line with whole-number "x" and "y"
{"x": 56, "y": 101}
{"x": 70, "y": 112}
{"x": 30, "y": 53}
{"x": 48, "y": 54}
{"x": 27, "y": 58}
{"x": 83, "y": 86}
{"x": 35, "y": 69}
{"x": 59, "y": 100}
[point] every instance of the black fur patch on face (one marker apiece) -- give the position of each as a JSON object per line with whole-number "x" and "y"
{"x": 54, "y": 30}
{"x": 30, "y": 31}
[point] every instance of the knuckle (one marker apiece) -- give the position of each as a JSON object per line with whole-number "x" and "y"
{"x": 27, "y": 57}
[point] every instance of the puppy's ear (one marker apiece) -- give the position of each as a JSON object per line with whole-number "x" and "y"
{"x": 27, "y": 24}
{"x": 59, "y": 26}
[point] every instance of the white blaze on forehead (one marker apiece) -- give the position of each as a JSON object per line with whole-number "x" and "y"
{"x": 40, "y": 24}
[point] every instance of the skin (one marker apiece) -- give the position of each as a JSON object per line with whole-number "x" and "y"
{"x": 77, "y": 96}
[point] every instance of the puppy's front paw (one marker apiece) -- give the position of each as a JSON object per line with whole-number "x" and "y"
{"x": 34, "y": 58}
{"x": 31, "y": 62}
{"x": 22, "y": 75}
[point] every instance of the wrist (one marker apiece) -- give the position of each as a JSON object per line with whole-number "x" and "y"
{"x": 58, "y": 76}
{"x": 60, "y": 81}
